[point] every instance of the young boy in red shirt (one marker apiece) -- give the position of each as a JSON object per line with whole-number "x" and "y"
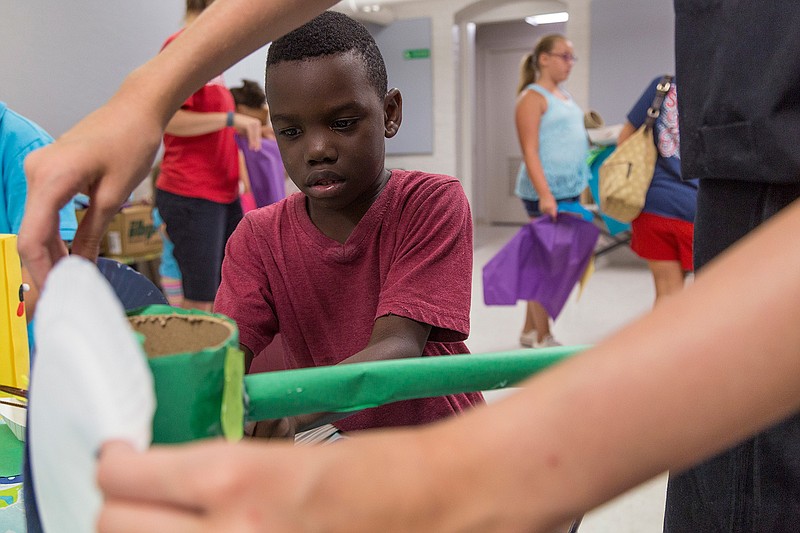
{"x": 364, "y": 263}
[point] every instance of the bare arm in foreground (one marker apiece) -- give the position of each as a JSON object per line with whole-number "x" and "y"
{"x": 111, "y": 150}
{"x": 658, "y": 395}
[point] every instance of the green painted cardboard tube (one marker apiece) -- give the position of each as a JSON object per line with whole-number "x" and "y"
{"x": 345, "y": 388}
{"x": 187, "y": 352}
{"x": 201, "y": 390}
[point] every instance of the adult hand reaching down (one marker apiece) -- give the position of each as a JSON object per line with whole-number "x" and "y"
{"x": 85, "y": 160}
{"x": 110, "y": 151}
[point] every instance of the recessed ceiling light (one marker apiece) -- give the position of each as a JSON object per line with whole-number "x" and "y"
{"x": 547, "y": 18}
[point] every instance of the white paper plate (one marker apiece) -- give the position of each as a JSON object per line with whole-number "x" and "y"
{"x": 90, "y": 383}
{"x": 15, "y": 418}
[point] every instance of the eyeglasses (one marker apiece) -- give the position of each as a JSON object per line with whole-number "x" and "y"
{"x": 569, "y": 58}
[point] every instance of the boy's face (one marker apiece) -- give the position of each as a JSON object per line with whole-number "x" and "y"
{"x": 330, "y": 126}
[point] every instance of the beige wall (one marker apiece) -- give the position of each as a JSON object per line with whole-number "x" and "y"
{"x": 453, "y": 100}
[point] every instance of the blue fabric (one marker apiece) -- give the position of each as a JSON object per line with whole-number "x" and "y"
{"x": 563, "y": 149}
{"x": 19, "y": 137}
{"x": 576, "y": 208}
{"x": 669, "y": 195}
{"x": 168, "y": 268}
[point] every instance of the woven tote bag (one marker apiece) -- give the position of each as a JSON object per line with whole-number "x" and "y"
{"x": 626, "y": 174}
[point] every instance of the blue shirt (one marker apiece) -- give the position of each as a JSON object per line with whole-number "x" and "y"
{"x": 19, "y": 137}
{"x": 563, "y": 150}
{"x": 669, "y": 195}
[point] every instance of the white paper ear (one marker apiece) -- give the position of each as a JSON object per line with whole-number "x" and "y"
{"x": 90, "y": 382}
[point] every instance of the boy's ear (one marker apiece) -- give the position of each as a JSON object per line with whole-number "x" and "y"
{"x": 392, "y": 112}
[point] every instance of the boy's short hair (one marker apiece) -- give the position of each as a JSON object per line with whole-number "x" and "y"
{"x": 332, "y": 33}
{"x": 197, "y": 6}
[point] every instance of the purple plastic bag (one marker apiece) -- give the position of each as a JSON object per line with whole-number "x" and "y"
{"x": 265, "y": 169}
{"x": 542, "y": 262}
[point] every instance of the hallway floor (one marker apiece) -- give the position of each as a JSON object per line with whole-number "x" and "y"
{"x": 620, "y": 289}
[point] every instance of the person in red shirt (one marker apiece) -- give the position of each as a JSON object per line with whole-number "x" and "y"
{"x": 197, "y": 189}
{"x": 364, "y": 263}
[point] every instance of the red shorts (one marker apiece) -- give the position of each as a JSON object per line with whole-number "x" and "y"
{"x": 658, "y": 238}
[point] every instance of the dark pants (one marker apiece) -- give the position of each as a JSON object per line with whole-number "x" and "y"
{"x": 755, "y": 486}
{"x": 199, "y": 229}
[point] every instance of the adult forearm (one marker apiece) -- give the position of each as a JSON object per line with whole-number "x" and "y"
{"x": 192, "y": 124}
{"x": 695, "y": 376}
{"x": 222, "y": 35}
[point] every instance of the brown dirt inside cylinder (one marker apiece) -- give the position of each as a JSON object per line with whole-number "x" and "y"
{"x": 173, "y": 334}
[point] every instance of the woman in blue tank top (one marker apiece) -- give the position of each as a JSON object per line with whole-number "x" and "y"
{"x": 554, "y": 149}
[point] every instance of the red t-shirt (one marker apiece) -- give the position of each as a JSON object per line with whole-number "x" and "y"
{"x": 205, "y": 166}
{"x": 410, "y": 255}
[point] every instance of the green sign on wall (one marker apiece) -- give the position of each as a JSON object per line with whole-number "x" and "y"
{"x": 417, "y": 53}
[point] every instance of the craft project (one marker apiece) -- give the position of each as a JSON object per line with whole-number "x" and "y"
{"x": 542, "y": 262}
{"x": 93, "y": 382}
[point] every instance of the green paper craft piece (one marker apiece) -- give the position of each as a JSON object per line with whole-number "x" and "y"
{"x": 345, "y": 388}
{"x": 202, "y": 392}
{"x": 189, "y": 384}
{"x": 232, "y": 412}
{"x": 10, "y": 452}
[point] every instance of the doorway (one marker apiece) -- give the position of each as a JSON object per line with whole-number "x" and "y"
{"x": 499, "y": 48}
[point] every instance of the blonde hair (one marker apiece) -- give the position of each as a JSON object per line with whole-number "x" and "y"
{"x": 529, "y": 66}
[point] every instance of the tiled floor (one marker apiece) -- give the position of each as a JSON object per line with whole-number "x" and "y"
{"x": 620, "y": 289}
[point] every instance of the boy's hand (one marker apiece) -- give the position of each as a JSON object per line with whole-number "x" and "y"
{"x": 279, "y": 428}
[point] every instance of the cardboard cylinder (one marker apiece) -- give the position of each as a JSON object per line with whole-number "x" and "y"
{"x": 197, "y": 371}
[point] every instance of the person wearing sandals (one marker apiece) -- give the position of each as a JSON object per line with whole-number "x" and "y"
{"x": 554, "y": 149}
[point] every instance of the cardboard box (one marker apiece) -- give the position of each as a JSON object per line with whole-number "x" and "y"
{"x": 130, "y": 233}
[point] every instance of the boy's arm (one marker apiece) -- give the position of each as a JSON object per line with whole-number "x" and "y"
{"x": 111, "y": 150}
{"x": 393, "y": 337}
{"x": 248, "y": 357}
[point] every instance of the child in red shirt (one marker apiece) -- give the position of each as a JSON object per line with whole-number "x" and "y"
{"x": 364, "y": 263}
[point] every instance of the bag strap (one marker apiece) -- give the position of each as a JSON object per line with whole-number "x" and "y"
{"x": 654, "y": 110}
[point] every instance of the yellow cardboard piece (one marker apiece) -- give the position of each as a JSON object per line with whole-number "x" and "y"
{"x": 585, "y": 278}
{"x": 14, "y": 355}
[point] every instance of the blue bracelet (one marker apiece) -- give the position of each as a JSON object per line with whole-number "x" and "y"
{"x": 229, "y": 120}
